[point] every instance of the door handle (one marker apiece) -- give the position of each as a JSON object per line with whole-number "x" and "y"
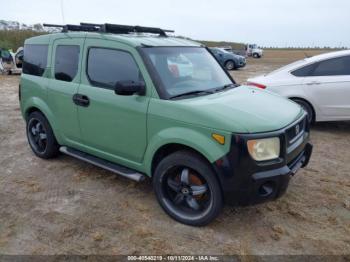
{"x": 81, "y": 100}
{"x": 313, "y": 83}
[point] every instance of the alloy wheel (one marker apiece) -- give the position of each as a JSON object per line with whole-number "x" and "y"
{"x": 186, "y": 191}
{"x": 37, "y": 135}
{"x": 230, "y": 65}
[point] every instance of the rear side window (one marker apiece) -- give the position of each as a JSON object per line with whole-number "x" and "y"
{"x": 333, "y": 67}
{"x": 304, "y": 71}
{"x": 35, "y": 59}
{"x": 107, "y": 66}
{"x": 66, "y": 62}
{"x": 330, "y": 67}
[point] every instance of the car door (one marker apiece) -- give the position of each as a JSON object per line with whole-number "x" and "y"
{"x": 329, "y": 86}
{"x": 113, "y": 126}
{"x": 63, "y": 84}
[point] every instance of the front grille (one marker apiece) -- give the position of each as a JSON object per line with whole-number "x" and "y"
{"x": 295, "y": 131}
{"x": 292, "y": 162}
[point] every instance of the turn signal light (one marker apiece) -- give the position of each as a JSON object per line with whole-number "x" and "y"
{"x": 219, "y": 138}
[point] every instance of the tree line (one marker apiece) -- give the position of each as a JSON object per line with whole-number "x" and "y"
{"x": 12, "y": 39}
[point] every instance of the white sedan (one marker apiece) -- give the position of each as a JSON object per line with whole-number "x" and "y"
{"x": 320, "y": 84}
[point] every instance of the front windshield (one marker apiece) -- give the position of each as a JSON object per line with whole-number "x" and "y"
{"x": 184, "y": 70}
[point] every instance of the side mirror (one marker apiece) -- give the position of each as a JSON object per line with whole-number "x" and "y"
{"x": 129, "y": 87}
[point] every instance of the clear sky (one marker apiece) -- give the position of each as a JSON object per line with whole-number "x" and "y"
{"x": 265, "y": 22}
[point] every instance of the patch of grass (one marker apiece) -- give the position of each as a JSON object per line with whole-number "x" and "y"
{"x": 12, "y": 39}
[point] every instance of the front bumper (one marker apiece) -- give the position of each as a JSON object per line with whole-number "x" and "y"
{"x": 272, "y": 184}
{"x": 241, "y": 64}
{"x": 245, "y": 181}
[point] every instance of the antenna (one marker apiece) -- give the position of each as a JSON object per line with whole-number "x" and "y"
{"x": 62, "y": 12}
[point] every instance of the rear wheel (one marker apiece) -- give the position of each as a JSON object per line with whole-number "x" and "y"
{"x": 187, "y": 188}
{"x": 40, "y": 136}
{"x": 308, "y": 109}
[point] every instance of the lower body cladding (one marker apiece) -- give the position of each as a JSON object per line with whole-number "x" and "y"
{"x": 245, "y": 181}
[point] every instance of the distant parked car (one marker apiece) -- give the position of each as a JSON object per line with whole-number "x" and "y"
{"x": 11, "y": 63}
{"x": 320, "y": 84}
{"x": 234, "y": 51}
{"x": 229, "y": 60}
{"x": 18, "y": 57}
{"x": 6, "y": 61}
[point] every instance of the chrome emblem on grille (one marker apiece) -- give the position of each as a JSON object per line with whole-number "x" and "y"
{"x": 297, "y": 129}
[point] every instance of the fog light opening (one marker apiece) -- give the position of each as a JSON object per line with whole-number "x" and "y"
{"x": 267, "y": 189}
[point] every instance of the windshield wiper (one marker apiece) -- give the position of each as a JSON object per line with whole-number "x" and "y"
{"x": 195, "y": 92}
{"x": 221, "y": 88}
{"x": 205, "y": 92}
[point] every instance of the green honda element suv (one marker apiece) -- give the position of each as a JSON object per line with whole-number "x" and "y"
{"x": 139, "y": 103}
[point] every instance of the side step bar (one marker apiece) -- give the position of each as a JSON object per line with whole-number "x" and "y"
{"x": 120, "y": 170}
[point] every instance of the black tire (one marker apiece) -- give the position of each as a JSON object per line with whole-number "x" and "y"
{"x": 230, "y": 65}
{"x": 255, "y": 55}
{"x": 40, "y": 136}
{"x": 194, "y": 199}
{"x": 308, "y": 108}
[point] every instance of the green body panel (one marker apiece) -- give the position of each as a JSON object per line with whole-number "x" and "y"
{"x": 240, "y": 110}
{"x": 60, "y": 93}
{"x": 129, "y": 130}
{"x": 112, "y": 124}
{"x": 163, "y": 130}
{"x": 35, "y": 102}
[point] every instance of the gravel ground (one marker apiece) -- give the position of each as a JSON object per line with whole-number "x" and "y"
{"x": 65, "y": 206}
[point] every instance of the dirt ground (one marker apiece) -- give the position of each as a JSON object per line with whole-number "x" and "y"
{"x": 66, "y": 206}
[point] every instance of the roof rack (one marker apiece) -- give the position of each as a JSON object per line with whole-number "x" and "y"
{"x": 111, "y": 28}
{"x": 66, "y": 28}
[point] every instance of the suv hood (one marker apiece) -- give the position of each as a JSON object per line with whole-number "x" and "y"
{"x": 232, "y": 55}
{"x": 240, "y": 110}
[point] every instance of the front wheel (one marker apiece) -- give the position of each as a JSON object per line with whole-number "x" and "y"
{"x": 187, "y": 188}
{"x": 230, "y": 65}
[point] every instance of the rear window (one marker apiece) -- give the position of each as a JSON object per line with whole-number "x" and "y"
{"x": 35, "y": 59}
{"x": 66, "y": 62}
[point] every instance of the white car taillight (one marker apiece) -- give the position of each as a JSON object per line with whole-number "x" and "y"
{"x": 256, "y": 85}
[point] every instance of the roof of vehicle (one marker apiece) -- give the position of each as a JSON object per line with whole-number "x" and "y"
{"x": 310, "y": 60}
{"x": 218, "y": 49}
{"x": 137, "y": 39}
{"x": 328, "y": 55}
